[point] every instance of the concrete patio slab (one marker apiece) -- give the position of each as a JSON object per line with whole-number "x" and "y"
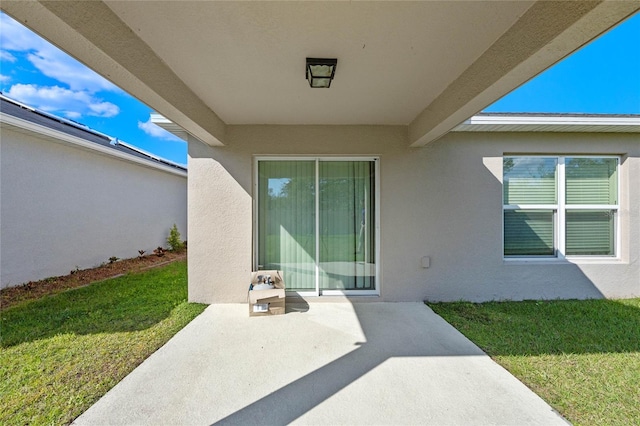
{"x": 322, "y": 363}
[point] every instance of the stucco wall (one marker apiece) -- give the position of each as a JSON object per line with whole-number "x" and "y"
{"x": 443, "y": 201}
{"x": 64, "y": 207}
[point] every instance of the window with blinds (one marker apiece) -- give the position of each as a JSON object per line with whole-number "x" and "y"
{"x": 560, "y": 206}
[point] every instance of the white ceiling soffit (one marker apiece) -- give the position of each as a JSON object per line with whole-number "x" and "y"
{"x": 168, "y": 125}
{"x": 427, "y": 65}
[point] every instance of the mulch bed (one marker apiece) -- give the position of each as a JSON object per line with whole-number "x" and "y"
{"x": 79, "y": 278}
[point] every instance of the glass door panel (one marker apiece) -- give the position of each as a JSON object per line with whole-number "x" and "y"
{"x": 286, "y": 221}
{"x": 346, "y": 258}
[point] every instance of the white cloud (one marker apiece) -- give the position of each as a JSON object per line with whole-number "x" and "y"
{"x": 4, "y": 78}
{"x": 56, "y": 64}
{"x": 50, "y": 60}
{"x": 55, "y": 99}
{"x": 17, "y": 38}
{"x": 103, "y": 109}
{"x": 73, "y": 115}
{"x": 153, "y": 130}
{"x": 7, "y": 56}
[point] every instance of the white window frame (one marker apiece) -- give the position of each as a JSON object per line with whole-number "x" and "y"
{"x": 560, "y": 210}
{"x": 318, "y": 291}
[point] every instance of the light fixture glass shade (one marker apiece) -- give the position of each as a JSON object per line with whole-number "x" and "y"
{"x": 320, "y": 72}
{"x": 320, "y": 82}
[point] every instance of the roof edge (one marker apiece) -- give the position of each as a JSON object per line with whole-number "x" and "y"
{"x": 551, "y": 122}
{"x": 551, "y": 114}
{"x": 62, "y": 137}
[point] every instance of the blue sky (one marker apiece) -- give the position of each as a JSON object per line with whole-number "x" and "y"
{"x": 40, "y": 75}
{"x": 602, "y": 77}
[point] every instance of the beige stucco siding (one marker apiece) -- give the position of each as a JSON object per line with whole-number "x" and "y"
{"x": 64, "y": 207}
{"x": 443, "y": 201}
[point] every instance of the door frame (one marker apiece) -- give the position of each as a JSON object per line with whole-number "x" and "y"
{"x": 317, "y": 159}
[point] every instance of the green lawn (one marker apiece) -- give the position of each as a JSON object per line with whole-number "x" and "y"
{"x": 582, "y": 357}
{"x": 59, "y": 354}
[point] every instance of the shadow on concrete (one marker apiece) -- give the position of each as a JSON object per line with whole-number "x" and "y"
{"x": 297, "y": 305}
{"x": 389, "y": 333}
{"x": 522, "y": 328}
{"x": 337, "y": 363}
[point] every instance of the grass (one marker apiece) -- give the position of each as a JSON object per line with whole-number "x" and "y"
{"x": 582, "y": 357}
{"x": 59, "y": 354}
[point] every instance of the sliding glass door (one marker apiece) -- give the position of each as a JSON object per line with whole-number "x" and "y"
{"x": 316, "y": 221}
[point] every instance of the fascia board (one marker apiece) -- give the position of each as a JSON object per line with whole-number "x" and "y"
{"x": 553, "y": 120}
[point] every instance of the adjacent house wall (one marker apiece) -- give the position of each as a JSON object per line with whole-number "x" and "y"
{"x": 443, "y": 201}
{"x": 64, "y": 207}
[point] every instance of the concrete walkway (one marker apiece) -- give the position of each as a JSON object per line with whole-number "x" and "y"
{"x": 323, "y": 363}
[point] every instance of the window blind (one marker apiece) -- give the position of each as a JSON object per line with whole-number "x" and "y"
{"x": 528, "y": 233}
{"x": 591, "y": 180}
{"x": 589, "y": 232}
{"x": 529, "y": 180}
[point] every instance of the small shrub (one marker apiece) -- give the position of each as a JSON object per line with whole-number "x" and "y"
{"x": 174, "y": 241}
{"x": 113, "y": 259}
{"x": 159, "y": 252}
{"x": 141, "y": 254}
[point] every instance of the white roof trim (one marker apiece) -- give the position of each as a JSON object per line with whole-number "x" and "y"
{"x": 59, "y": 136}
{"x": 115, "y": 141}
{"x": 54, "y": 117}
{"x": 560, "y": 123}
{"x": 168, "y": 125}
{"x": 550, "y": 123}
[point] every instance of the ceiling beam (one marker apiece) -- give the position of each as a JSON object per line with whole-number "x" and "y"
{"x": 544, "y": 35}
{"x": 92, "y": 33}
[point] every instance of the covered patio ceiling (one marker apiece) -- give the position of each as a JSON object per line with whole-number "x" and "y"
{"x": 425, "y": 65}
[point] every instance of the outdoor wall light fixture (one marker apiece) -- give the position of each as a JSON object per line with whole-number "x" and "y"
{"x": 320, "y": 71}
